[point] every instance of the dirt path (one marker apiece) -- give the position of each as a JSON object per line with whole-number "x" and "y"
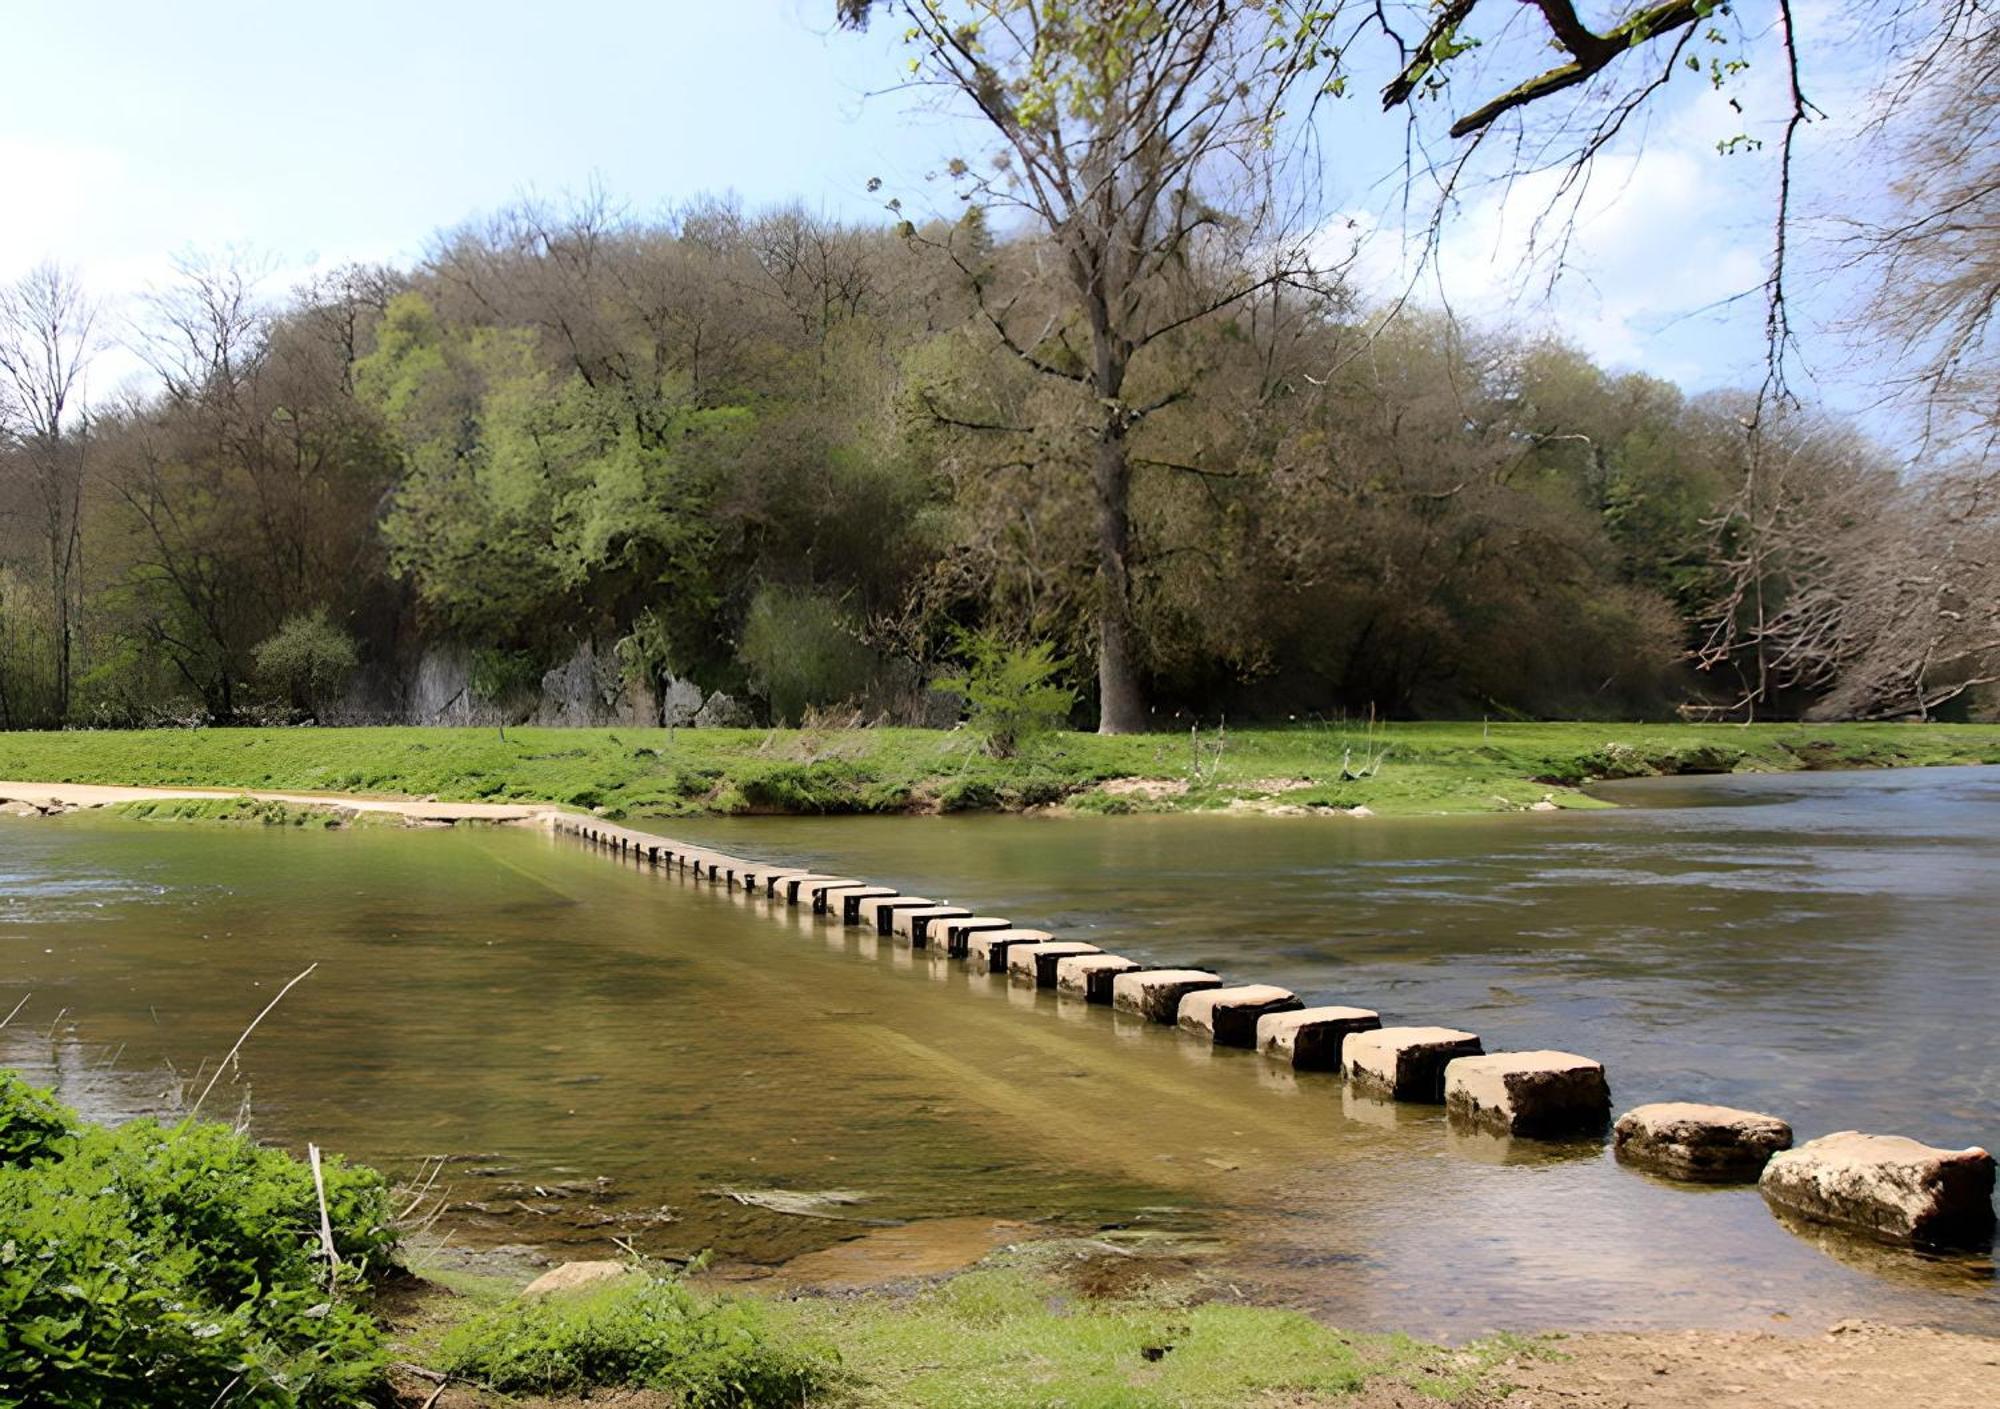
{"x": 58, "y": 797}
{"x": 1853, "y": 1366}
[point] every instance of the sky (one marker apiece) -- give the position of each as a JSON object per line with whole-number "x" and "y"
{"x": 311, "y": 135}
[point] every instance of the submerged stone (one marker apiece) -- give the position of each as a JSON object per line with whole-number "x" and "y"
{"x": 1528, "y": 1093}
{"x": 1889, "y": 1187}
{"x": 1089, "y": 976}
{"x": 1404, "y": 1063}
{"x": 1710, "y": 1144}
{"x": 1228, "y": 1016}
{"x": 1309, "y": 1038}
{"x": 1156, "y": 993}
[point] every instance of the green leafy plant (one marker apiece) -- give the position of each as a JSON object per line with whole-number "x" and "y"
{"x": 179, "y": 1266}
{"x": 801, "y": 652}
{"x": 32, "y": 1122}
{"x": 1013, "y": 695}
{"x": 306, "y": 662}
{"x": 650, "y": 1331}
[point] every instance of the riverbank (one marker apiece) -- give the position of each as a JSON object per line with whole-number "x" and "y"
{"x": 1302, "y": 769}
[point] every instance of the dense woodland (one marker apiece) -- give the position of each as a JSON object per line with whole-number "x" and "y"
{"x": 798, "y": 461}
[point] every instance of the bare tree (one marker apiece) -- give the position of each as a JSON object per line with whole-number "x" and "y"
{"x": 1137, "y": 138}
{"x": 47, "y": 339}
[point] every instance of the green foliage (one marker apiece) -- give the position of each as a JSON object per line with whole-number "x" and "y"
{"x": 172, "y": 1265}
{"x": 525, "y": 486}
{"x": 1013, "y": 695}
{"x": 650, "y": 1331}
{"x": 306, "y": 661}
{"x": 801, "y": 652}
{"x": 32, "y": 1122}
{"x": 498, "y": 675}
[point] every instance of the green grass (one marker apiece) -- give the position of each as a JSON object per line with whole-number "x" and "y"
{"x": 1003, "y": 1336}
{"x": 1012, "y": 1332}
{"x": 249, "y": 810}
{"x": 1420, "y": 768}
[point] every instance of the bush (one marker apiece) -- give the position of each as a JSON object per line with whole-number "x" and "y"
{"x": 651, "y": 1332}
{"x": 32, "y": 1121}
{"x": 1011, "y": 693}
{"x": 173, "y": 1265}
{"x": 306, "y": 662}
{"x": 801, "y": 653}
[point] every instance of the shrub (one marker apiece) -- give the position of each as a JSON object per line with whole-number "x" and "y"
{"x": 1012, "y": 694}
{"x": 31, "y": 1121}
{"x": 801, "y": 652}
{"x": 306, "y": 662}
{"x": 175, "y": 1265}
{"x": 652, "y": 1332}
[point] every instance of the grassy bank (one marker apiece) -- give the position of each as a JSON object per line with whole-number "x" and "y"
{"x": 1013, "y": 1331}
{"x": 1399, "y": 768}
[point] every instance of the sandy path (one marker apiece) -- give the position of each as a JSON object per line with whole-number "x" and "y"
{"x": 63, "y": 796}
{"x": 1853, "y": 1366}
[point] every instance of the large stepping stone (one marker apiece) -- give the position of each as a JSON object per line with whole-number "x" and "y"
{"x": 1528, "y": 1093}
{"x": 1309, "y": 1039}
{"x": 879, "y": 911}
{"x": 985, "y": 950}
{"x": 952, "y": 935}
{"x": 1156, "y": 993}
{"x": 914, "y": 924}
{"x": 1705, "y": 1144}
{"x": 1089, "y": 976}
{"x": 1036, "y": 963}
{"x": 850, "y": 901}
{"x": 1228, "y": 1016}
{"x": 792, "y": 887}
{"x": 1404, "y": 1063}
{"x": 814, "y": 892}
{"x": 1889, "y": 1187}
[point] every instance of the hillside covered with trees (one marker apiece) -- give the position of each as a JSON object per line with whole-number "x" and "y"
{"x": 726, "y": 465}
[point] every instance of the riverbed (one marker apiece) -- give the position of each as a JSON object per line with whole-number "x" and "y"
{"x": 598, "y": 1051}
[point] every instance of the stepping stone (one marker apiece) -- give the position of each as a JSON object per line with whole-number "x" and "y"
{"x": 1886, "y": 1186}
{"x": 951, "y": 934}
{"x": 1309, "y": 1039}
{"x": 792, "y": 888}
{"x": 1156, "y": 993}
{"x": 1708, "y": 1144}
{"x": 1528, "y": 1093}
{"x": 813, "y": 892}
{"x": 986, "y": 950}
{"x": 850, "y": 901}
{"x": 1089, "y": 976}
{"x": 912, "y": 925}
{"x": 766, "y": 881}
{"x": 878, "y": 910}
{"x": 1036, "y": 963}
{"x": 1228, "y": 1016}
{"x": 1404, "y": 1063}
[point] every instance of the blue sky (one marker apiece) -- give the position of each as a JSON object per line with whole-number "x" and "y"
{"x": 314, "y": 134}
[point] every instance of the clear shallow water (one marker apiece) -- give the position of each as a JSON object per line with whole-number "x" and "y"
{"x": 599, "y": 1049}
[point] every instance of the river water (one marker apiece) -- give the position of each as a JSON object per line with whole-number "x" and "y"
{"x": 603, "y": 1051}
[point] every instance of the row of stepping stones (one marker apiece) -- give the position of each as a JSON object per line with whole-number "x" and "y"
{"x": 1889, "y": 1187}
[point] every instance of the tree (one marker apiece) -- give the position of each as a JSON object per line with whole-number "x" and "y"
{"x": 47, "y": 338}
{"x": 1142, "y": 140}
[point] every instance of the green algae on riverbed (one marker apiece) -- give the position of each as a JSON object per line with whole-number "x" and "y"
{"x": 1395, "y": 768}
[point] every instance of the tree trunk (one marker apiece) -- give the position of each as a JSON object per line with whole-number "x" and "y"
{"x": 1121, "y": 697}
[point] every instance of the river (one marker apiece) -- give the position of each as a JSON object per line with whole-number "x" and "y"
{"x": 600, "y": 1051}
